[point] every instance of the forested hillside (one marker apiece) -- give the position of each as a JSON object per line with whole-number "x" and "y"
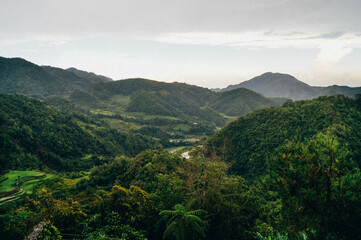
{"x": 130, "y": 159}
{"x": 89, "y": 75}
{"x": 34, "y": 135}
{"x": 187, "y": 111}
{"x": 240, "y": 101}
{"x": 20, "y": 76}
{"x": 247, "y": 142}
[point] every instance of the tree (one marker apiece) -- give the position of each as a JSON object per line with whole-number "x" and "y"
{"x": 312, "y": 180}
{"x": 184, "y": 224}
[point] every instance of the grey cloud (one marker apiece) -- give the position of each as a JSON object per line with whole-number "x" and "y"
{"x": 329, "y": 35}
{"x": 142, "y": 18}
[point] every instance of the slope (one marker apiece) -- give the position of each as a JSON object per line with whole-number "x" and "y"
{"x": 34, "y": 135}
{"x": 287, "y": 86}
{"x": 94, "y": 78}
{"x": 159, "y": 98}
{"x": 248, "y": 141}
{"x": 239, "y": 102}
{"x": 181, "y": 100}
{"x": 20, "y": 76}
{"x": 277, "y": 85}
{"x": 70, "y": 79}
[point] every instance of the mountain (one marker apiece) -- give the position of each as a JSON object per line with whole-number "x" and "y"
{"x": 94, "y": 78}
{"x": 183, "y": 101}
{"x": 247, "y": 142}
{"x": 182, "y": 110}
{"x": 180, "y": 100}
{"x": 20, "y": 76}
{"x": 70, "y": 79}
{"x": 286, "y": 86}
{"x": 240, "y": 101}
{"x": 35, "y": 135}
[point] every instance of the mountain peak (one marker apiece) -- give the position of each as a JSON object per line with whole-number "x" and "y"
{"x": 277, "y": 85}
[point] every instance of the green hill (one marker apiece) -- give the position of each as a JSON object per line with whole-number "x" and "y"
{"x": 239, "y": 102}
{"x": 70, "y": 79}
{"x": 20, "y": 76}
{"x": 247, "y": 142}
{"x": 94, "y": 92}
{"x": 35, "y": 135}
{"x": 178, "y": 108}
{"x": 181, "y": 100}
{"x": 94, "y": 78}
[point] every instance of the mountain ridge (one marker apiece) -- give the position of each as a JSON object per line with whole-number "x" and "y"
{"x": 287, "y": 86}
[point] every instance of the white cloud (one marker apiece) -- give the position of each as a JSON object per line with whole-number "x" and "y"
{"x": 332, "y": 52}
{"x": 259, "y": 39}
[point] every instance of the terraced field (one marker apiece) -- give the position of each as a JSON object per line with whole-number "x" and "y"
{"x": 15, "y": 184}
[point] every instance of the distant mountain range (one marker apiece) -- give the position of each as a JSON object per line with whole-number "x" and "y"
{"x": 136, "y": 95}
{"x": 20, "y": 76}
{"x": 286, "y": 86}
{"x": 141, "y": 98}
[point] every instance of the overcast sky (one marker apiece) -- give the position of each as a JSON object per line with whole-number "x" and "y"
{"x": 210, "y": 43}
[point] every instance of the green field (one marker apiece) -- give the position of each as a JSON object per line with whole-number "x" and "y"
{"x": 24, "y": 181}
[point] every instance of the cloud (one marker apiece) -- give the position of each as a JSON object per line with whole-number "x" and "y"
{"x": 330, "y": 35}
{"x": 270, "y": 39}
{"x": 332, "y": 52}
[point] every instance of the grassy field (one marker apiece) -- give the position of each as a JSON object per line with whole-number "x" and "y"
{"x": 22, "y": 176}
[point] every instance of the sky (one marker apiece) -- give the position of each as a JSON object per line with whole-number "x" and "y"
{"x": 209, "y": 43}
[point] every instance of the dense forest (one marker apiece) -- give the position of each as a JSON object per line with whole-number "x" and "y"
{"x": 307, "y": 184}
{"x": 35, "y": 135}
{"x": 91, "y": 158}
{"x": 247, "y": 142}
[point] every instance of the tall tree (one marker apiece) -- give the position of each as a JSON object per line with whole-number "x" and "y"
{"x": 184, "y": 224}
{"x": 312, "y": 179}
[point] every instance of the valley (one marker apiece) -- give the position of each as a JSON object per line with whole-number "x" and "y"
{"x": 94, "y": 158}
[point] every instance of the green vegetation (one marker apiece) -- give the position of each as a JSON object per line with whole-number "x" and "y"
{"x": 137, "y": 102}
{"x": 34, "y": 135}
{"x": 239, "y": 102}
{"x": 247, "y": 142}
{"x": 184, "y": 224}
{"x": 291, "y": 172}
{"x": 17, "y": 183}
{"x": 20, "y": 76}
{"x": 18, "y": 178}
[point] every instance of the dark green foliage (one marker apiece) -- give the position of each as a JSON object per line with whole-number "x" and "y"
{"x": 71, "y": 80}
{"x": 50, "y": 232}
{"x": 149, "y": 103}
{"x": 145, "y": 167}
{"x": 20, "y": 76}
{"x": 184, "y": 224}
{"x": 314, "y": 182}
{"x": 34, "y": 135}
{"x": 82, "y": 98}
{"x": 303, "y": 159}
{"x": 94, "y": 78}
{"x": 247, "y": 142}
{"x": 181, "y": 100}
{"x": 15, "y": 225}
{"x": 239, "y": 102}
